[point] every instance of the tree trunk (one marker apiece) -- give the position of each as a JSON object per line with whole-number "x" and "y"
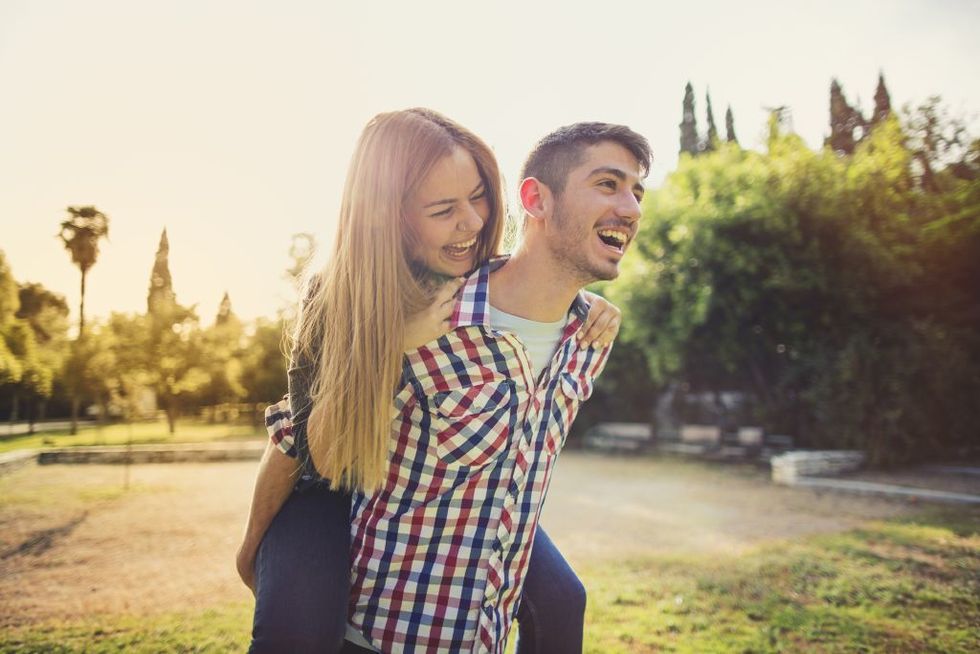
{"x": 15, "y": 408}
{"x": 171, "y": 416}
{"x": 81, "y": 309}
{"x": 74, "y": 414}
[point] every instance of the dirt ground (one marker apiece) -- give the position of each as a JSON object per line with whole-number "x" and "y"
{"x": 74, "y": 544}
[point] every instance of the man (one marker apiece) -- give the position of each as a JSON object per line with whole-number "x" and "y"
{"x": 439, "y": 558}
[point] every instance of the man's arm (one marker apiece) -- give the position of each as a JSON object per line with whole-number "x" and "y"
{"x": 275, "y": 480}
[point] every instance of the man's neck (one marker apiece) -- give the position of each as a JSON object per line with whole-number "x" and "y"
{"x": 530, "y": 285}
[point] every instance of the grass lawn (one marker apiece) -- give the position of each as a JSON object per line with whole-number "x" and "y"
{"x": 188, "y": 431}
{"x": 910, "y": 585}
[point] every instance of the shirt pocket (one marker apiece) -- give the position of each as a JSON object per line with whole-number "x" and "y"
{"x": 471, "y": 426}
{"x": 572, "y": 391}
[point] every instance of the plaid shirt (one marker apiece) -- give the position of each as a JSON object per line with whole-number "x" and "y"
{"x": 440, "y": 553}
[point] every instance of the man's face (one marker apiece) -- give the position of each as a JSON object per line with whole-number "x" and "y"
{"x": 596, "y": 215}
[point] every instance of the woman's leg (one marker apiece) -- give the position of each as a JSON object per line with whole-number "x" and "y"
{"x": 302, "y": 575}
{"x": 551, "y": 618}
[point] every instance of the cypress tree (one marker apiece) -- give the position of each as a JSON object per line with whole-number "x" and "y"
{"x": 225, "y": 314}
{"x": 689, "y": 126}
{"x": 883, "y": 102}
{"x": 730, "y": 126}
{"x": 161, "y": 298}
{"x": 844, "y": 119}
{"x": 711, "y": 140}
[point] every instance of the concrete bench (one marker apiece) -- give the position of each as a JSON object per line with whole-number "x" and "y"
{"x": 625, "y": 436}
{"x": 789, "y": 467}
{"x": 701, "y": 435}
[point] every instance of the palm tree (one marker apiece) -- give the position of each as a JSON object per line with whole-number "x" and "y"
{"x": 80, "y": 235}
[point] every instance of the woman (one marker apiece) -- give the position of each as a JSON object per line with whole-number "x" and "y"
{"x": 401, "y": 247}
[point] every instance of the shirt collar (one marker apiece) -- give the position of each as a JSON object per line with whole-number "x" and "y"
{"x": 473, "y": 305}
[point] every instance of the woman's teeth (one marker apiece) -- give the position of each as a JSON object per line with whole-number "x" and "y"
{"x": 460, "y": 248}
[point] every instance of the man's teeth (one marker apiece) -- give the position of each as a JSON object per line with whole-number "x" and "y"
{"x": 614, "y": 235}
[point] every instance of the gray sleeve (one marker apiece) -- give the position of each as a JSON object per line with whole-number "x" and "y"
{"x": 300, "y": 374}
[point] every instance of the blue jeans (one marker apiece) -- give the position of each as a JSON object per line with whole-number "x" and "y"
{"x": 302, "y": 577}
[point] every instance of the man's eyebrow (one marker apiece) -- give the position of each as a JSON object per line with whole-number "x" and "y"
{"x": 453, "y": 200}
{"x": 609, "y": 170}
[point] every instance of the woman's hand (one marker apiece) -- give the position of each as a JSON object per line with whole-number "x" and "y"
{"x": 602, "y": 324}
{"x": 433, "y": 321}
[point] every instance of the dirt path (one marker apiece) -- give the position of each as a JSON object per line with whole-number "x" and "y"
{"x": 74, "y": 544}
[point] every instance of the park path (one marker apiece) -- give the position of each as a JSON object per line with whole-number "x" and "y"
{"x": 73, "y": 544}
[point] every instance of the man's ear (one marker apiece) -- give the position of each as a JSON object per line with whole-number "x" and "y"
{"x": 536, "y": 198}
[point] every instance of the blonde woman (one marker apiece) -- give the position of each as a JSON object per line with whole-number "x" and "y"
{"x": 406, "y": 236}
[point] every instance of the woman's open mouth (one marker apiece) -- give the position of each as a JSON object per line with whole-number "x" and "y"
{"x": 460, "y": 250}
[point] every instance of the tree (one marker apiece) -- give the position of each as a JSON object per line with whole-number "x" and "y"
{"x": 883, "y": 103}
{"x": 175, "y": 348}
{"x": 80, "y": 235}
{"x": 730, "y": 126}
{"x": 264, "y": 363}
{"x": 223, "y": 349}
{"x": 689, "y": 126}
{"x": 828, "y": 289}
{"x": 47, "y": 315}
{"x": 711, "y": 140}
{"x": 844, "y": 121}
{"x": 11, "y": 368}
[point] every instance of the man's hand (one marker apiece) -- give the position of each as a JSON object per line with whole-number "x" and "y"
{"x": 245, "y": 562}
{"x": 602, "y": 325}
{"x": 433, "y": 321}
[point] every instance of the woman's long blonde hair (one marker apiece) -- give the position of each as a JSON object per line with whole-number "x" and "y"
{"x": 352, "y": 324}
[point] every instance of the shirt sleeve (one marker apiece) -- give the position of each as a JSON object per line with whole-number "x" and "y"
{"x": 279, "y": 424}
{"x": 286, "y": 421}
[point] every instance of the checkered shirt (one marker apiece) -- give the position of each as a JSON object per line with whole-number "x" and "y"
{"x": 440, "y": 553}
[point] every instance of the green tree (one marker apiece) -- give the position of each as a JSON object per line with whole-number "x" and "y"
{"x": 883, "y": 102}
{"x": 689, "y": 125}
{"x": 730, "y": 126}
{"x": 845, "y": 120}
{"x": 812, "y": 283}
{"x": 80, "y": 235}
{"x": 175, "y": 348}
{"x": 223, "y": 343}
{"x": 711, "y": 140}
{"x": 47, "y": 315}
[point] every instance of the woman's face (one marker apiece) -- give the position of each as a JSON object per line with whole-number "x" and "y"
{"x": 448, "y": 213}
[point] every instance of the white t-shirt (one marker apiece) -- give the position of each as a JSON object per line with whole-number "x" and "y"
{"x": 540, "y": 339}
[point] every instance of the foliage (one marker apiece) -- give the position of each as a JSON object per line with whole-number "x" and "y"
{"x": 833, "y": 290}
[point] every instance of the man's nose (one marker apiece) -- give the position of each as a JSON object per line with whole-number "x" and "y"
{"x": 629, "y": 207}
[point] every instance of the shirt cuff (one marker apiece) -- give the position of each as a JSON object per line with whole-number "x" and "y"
{"x": 279, "y": 424}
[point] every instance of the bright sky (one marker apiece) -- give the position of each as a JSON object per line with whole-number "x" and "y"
{"x": 231, "y": 123}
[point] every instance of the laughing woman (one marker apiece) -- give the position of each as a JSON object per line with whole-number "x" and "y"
{"x": 406, "y": 237}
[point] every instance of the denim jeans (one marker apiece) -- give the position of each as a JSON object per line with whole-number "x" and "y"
{"x": 302, "y": 575}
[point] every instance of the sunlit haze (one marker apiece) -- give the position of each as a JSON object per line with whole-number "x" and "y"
{"x": 231, "y": 124}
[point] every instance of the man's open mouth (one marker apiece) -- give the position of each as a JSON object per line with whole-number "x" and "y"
{"x": 615, "y": 239}
{"x": 460, "y": 249}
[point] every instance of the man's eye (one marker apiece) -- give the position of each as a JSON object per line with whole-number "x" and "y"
{"x": 608, "y": 183}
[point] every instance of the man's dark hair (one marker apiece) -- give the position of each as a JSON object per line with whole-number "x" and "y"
{"x": 554, "y": 156}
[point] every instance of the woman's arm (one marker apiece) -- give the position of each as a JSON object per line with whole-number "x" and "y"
{"x": 274, "y": 483}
